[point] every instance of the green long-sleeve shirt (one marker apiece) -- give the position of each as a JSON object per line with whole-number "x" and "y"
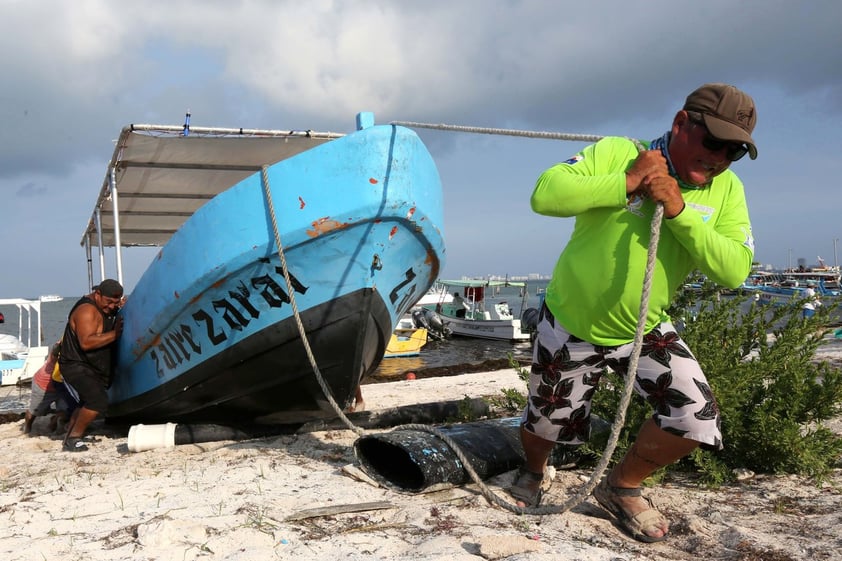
{"x": 597, "y": 282}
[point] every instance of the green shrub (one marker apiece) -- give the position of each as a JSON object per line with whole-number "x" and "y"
{"x": 772, "y": 394}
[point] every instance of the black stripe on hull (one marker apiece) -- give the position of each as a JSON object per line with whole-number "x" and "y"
{"x": 268, "y": 378}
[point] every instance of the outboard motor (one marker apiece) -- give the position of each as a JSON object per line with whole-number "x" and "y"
{"x": 439, "y": 326}
{"x": 529, "y": 319}
{"x": 419, "y": 321}
{"x": 432, "y": 322}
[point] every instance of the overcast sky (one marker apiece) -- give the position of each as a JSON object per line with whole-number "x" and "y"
{"x": 75, "y": 72}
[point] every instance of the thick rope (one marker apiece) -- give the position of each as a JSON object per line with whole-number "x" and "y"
{"x": 504, "y": 132}
{"x": 264, "y": 174}
{"x": 622, "y": 408}
{"x": 619, "y": 419}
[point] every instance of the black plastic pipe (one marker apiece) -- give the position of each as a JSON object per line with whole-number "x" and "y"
{"x": 414, "y": 461}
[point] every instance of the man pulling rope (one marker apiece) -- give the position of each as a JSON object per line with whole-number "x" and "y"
{"x": 589, "y": 318}
{"x": 617, "y": 190}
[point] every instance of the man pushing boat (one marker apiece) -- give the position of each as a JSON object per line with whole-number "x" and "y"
{"x": 93, "y": 327}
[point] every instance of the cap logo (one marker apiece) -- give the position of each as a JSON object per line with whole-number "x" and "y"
{"x": 745, "y": 115}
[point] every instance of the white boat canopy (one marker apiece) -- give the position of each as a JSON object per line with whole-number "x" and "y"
{"x": 28, "y": 306}
{"x": 160, "y": 175}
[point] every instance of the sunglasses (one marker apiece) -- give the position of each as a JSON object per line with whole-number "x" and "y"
{"x": 733, "y": 151}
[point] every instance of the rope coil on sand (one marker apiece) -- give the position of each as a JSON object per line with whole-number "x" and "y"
{"x": 619, "y": 419}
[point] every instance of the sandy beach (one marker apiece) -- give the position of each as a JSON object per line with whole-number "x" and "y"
{"x": 260, "y": 500}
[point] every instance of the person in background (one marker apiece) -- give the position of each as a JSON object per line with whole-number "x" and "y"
{"x": 590, "y": 315}
{"x": 458, "y": 301}
{"x": 45, "y": 393}
{"x": 93, "y": 327}
{"x": 811, "y": 302}
{"x": 460, "y": 305}
{"x": 71, "y": 401}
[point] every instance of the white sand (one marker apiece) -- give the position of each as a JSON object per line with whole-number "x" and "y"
{"x": 234, "y": 500}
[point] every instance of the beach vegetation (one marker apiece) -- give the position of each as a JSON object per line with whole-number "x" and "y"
{"x": 440, "y": 522}
{"x": 257, "y": 519}
{"x": 772, "y": 394}
{"x": 522, "y": 525}
{"x": 512, "y": 400}
{"x": 465, "y": 412}
{"x": 522, "y": 371}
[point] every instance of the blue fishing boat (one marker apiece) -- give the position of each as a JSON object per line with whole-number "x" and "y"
{"x": 785, "y": 287}
{"x": 264, "y": 234}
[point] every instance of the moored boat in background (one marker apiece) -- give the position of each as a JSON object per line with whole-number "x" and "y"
{"x": 475, "y": 311}
{"x": 406, "y": 342}
{"x": 437, "y": 294}
{"x": 20, "y": 358}
{"x": 789, "y": 285}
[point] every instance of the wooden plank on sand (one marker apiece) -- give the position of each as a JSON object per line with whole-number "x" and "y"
{"x": 337, "y": 509}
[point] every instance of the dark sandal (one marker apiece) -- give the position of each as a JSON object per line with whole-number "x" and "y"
{"x": 527, "y": 487}
{"x": 635, "y": 525}
{"x": 75, "y": 444}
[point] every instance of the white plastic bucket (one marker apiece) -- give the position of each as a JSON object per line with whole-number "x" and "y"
{"x": 149, "y": 437}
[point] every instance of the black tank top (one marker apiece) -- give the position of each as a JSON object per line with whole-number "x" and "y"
{"x": 98, "y": 361}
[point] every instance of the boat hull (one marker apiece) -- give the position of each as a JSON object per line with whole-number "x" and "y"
{"x": 11, "y": 371}
{"x": 210, "y": 331}
{"x": 406, "y": 342}
{"x": 505, "y": 330}
{"x": 267, "y": 376}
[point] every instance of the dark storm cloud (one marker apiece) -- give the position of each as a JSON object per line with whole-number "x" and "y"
{"x": 74, "y": 73}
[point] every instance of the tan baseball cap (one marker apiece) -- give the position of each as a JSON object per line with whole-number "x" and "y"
{"x": 727, "y": 112}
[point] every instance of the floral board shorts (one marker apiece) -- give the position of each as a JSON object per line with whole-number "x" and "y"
{"x": 566, "y": 371}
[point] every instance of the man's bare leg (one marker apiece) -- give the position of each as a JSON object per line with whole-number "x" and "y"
{"x": 70, "y": 423}
{"x": 29, "y": 418}
{"x": 83, "y": 418}
{"x": 652, "y": 450}
{"x": 537, "y": 452}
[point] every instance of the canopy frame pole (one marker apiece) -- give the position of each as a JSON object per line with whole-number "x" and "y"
{"x": 90, "y": 262}
{"x": 100, "y": 245}
{"x": 112, "y": 179}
